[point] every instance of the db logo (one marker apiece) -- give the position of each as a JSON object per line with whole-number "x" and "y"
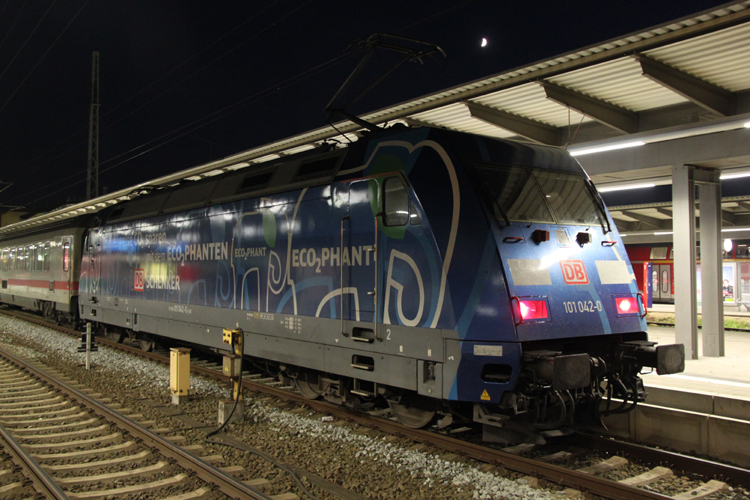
{"x": 138, "y": 280}
{"x": 574, "y": 273}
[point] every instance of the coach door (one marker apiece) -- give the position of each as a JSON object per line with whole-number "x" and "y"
{"x": 661, "y": 282}
{"x": 67, "y": 263}
{"x": 358, "y": 263}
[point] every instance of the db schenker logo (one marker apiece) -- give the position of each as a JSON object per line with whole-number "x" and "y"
{"x": 139, "y": 280}
{"x": 574, "y": 272}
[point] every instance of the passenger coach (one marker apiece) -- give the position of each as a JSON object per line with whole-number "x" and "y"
{"x": 40, "y": 271}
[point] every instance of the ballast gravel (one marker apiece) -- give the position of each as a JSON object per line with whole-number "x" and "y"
{"x": 375, "y": 467}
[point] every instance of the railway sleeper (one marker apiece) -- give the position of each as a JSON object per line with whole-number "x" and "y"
{"x": 129, "y": 490}
{"x": 149, "y": 470}
{"x": 138, "y": 457}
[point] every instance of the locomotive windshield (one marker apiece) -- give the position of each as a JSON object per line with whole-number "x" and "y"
{"x": 535, "y": 195}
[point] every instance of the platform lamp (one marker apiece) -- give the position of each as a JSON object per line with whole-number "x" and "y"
{"x": 728, "y": 245}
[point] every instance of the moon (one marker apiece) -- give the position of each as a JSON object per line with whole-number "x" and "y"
{"x": 484, "y": 42}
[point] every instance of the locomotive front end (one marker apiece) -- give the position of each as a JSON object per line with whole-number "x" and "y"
{"x": 576, "y": 319}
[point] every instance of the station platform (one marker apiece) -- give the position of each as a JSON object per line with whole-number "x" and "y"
{"x": 704, "y": 410}
{"x": 730, "y": 309}
{"x": 726, "y": 375}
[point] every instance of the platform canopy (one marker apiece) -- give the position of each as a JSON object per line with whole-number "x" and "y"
{"x": 684, "y": 79}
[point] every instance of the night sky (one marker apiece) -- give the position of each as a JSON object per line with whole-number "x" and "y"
{"x": 186, "y": 82}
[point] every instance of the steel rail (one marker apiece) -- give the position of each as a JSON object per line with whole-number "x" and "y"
{"x": 549, "y": 472}
{"x": 208, "y": 473}
{"x": 693, "y": 465}
{"x": 43, "y": 482}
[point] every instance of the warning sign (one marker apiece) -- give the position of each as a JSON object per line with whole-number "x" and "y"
{"x": 485, "y": 396}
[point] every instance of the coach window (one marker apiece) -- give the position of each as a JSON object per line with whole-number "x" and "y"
{"x": 19, "y": 259}
{"x": 396, "y": 203}
{"x": 46, "y": 256}
{"x": 66, "y": 257}
{"x": 12, "y": 263}
{"x": 39, "y": 257}
{"x": 27, "y": 258}
{"x": 5, "y": 260}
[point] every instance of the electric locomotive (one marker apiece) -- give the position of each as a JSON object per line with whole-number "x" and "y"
{"x": 447, "y": 273}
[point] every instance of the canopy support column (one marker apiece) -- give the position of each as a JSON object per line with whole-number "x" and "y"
{"x": 685, "y": 306}
{"x": 712, "y": 294}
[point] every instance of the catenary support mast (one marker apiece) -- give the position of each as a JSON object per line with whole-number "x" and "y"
{"x": 92, "y": 178}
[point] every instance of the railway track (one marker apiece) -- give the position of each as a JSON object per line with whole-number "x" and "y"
{"x": 538, "y": 470}
{"x": 20, "y": 475}
{"x": 91, "y": 451}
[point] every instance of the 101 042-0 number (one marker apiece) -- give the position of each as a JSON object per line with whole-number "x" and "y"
{"x": 583, "y": 306}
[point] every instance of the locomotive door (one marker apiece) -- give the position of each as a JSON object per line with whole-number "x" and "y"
{"x": 357, "y": 260}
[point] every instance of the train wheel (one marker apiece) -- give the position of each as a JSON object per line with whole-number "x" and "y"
{"x": 411, "y": 416}
{"x": 307, "y": 384}
{"x": 147, "y": 342}
{"x": 114, "y": 334}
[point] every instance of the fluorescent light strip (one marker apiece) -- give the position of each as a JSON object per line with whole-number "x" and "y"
{"x": 623, "y": 188}
{"x": 735, "y": 176}
{"x": 747, "y": 125}
{"x": 732, "y": 230}
{"x": 611, "y": 147}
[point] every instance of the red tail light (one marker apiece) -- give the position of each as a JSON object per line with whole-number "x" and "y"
{"x": 630, "y": 306}
{"x": 626, "y": 305}
{"x": 533, "y": 309}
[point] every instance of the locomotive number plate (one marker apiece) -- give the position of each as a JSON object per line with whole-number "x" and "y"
{"x": 488, "y": 350}
{"x": 583, "y": 306}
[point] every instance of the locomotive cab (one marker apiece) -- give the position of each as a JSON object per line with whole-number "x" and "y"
{"x": 578, "y": 317}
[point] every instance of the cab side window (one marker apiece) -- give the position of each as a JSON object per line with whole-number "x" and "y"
{"x": 395, "y": 203}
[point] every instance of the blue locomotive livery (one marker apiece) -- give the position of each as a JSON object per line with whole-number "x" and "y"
{"x": 446, "y": 273}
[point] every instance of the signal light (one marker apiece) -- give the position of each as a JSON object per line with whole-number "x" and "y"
{"x": 533, "y": 309}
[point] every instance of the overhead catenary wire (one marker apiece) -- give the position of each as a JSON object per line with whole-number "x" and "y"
{"x": 20, "y": 85}
{"x": 224, "y": 111}
{"x": 191, "y": 127}
{"x": 5, "y": 5}
{"x": 436, "y": 15}
{"x": 13, "y": 24}
{"x": 204, "y": 49}
{"x": 175, "y": 85}
{"x": 18, "y": 52}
